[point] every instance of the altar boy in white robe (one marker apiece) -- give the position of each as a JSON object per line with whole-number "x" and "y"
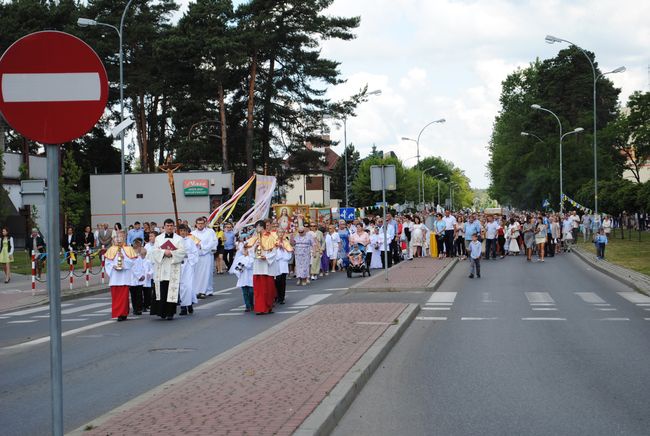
{"x": 242, "y": 267}
{"x": 167, "y": 255}
{"x": 205, "y": 265}
{"x": 188, "y": 296}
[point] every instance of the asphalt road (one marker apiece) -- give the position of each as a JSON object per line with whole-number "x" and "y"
{"x": 107, "y": 363}
{"x": 551, "y": 348}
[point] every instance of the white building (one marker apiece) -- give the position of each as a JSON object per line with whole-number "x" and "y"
{"x": 313, "y": 188}
{"x": 148, "y": 196}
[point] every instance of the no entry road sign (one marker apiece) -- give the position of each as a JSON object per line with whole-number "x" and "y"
{"x": 53, "y": 87}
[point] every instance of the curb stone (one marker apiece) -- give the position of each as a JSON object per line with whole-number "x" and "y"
{"x": 601, "y": 266}
{"x": 329, "y": 412}
{"x": 442, "y": 275}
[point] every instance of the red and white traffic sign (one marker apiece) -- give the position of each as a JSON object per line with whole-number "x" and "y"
{"x": 53, "y": 87}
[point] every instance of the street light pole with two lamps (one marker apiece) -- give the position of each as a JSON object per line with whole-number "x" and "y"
{"x": 417, "y": 143}
{"x": 84, "y": 22}
{"x": 553, "y": 39}
{"x": 576, "y": 130}
{"x": 436, "y": 176}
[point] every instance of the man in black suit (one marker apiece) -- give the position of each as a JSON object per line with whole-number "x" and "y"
{"x": 36, "y": 243}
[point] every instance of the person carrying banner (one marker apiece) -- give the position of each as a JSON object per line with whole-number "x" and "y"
{"x": 265, "y": 268}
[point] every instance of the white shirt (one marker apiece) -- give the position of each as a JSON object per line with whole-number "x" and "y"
{"x": 491, "y": 230}
{"x": 208, "y": 240}
{"x": 450, "y": 222}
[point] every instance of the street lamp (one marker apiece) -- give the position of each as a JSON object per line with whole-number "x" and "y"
{"x": 577, "y": 130}
{"x": 345, "y": 147}
{"x": 550, "y": 39}
{"x": 417, "y": 143}
{"x": 451, "y": 195}
{"x": 533, "y": 135}
{"x": 437, "y": 175}
{"x": 85, "y": 22}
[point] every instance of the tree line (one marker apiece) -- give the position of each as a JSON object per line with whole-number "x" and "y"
{"x": 525, "y": 169}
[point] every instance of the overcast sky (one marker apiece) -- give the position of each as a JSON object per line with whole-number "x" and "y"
{"x": 446, "y": 59}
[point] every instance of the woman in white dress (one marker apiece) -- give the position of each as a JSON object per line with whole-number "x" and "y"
{"x": 418, "y": 236}
{"x": 375, "y": 260}
{"x": 513, "y": 235}
{"x": 332, "y": 243}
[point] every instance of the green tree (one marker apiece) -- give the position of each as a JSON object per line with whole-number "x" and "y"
{"x": 73, "y": 201}
{"x": 337, "y": 188}
{"x": 523, "y": 170}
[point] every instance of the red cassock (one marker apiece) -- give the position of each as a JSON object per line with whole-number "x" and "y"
{"x": 264, "y": 293}
{"x": 120, "y": 299}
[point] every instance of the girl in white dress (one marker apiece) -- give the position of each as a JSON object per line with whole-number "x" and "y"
{"x": 375, "y": 260}
{"x": 513, "y": 235}
{"x": 332, "y": 243}
{"x": 418, "y": 236}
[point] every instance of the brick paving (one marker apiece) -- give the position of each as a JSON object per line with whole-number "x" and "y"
{"x": 267, "y": 387}
{"x": 409, "y": 274}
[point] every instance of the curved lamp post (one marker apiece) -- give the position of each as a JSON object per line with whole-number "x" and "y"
{"x": 85, "y": 22}
{"x": 437, "y": 175}
{"x": 577, "y": 130}
{"x": 550, "y": 39}
{"x": 417, "y": 143}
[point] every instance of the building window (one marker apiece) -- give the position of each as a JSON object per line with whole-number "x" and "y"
{"x": 314, "y": 183}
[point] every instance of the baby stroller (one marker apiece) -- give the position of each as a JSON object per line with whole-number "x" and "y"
{"x": 357, "y": 261}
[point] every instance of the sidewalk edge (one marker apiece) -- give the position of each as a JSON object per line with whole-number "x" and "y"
{"x": 145, "y": 396}
{"x": 625, "y": 280}
{"x": 329, "y": 412}
{"x": 442, "y": 275}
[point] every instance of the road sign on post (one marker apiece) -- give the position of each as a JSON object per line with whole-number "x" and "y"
{"x": 346, "y": 213}
{"x": 382, "y": 178}
{"x": 53, "y": 89}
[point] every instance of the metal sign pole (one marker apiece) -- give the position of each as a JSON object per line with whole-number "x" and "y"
{"x": 383, "y": 198}
{"x": 54, "y": 288}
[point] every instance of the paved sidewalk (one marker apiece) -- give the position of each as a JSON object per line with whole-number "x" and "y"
{"x": 18, "y": 294}
{"x": 636, "y": 280}
{"x": 266, "y": 386}
{"x": 417, "y": 274}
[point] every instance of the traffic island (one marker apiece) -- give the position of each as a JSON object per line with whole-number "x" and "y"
{"x": 270, "y": 384}
{"x": 420, "y": 274}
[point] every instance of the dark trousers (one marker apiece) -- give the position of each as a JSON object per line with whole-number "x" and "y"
{"x": 368, "y": 259}
{"x": 164, "y": 308}
{"x": 600, "y": 250}
{"x": 501, "y": 240}
{"x": 229, "y": 257}
{"x": 383, "y": 259}
{"x": 280, "y": 287}
{"x": 136, "y": 298}
{"x": 459, "y": 246}
{"x": 449, "y": 242}
{"x": 550, "y": 246}
{"x": 490, "y": 248}
{"x": 146, "y": 296}
{"x": 395, "y": 252}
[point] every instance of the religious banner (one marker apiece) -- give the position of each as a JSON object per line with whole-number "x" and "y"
{"x": 264, "y": 195}
{"x": 228, "y": 207}
{"x": 576, "y": 204}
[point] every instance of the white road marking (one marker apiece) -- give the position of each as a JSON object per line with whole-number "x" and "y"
{"x": 39, "y": 87}
{"x": 225, "y": 291}
{"x": 647, "y": 319}
{"x": 438, "y": 304}
{"x": 543, "y": 319}
{"x": 614, "y": 319}
{"x": 431, "y": 318}
{"x": 539, "y": 297}
{"x": 634, "y": 297}
{"x": 237, "y": 309}
{"x": 471, "y": 318}
{"x": 287, "y": 311}
{"x": 4, "y": 317}
{"x": 41, "y": 316}
{"x": 33, "y": 310}
{"x": 299, "y": 307}
{"x": 436, "y": 308}
{"x": 542, "y": 304}
{"x": 442, "y": 297}
{"x": 211, "y": 305}
{"x": 82, "y": 308}
{"x": 94, "y": 314}
{"x": 643, "y": 304}
{"x": 95, "y": 298}
{"x": 104, "y": 310}
{"x": 64, "y": 334}
{"x": 230, "y": 314}
{"x": 606, "y": 309}
{"x": 337, "y": 289}
{"x": 590, "y": 297}
{"x": 74, "y": 319}
{"x": 22, "y": 321}
{"x": 602, "y": 304}
{"x": 543, "y": 308}
{"x": 311, "y": 300}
